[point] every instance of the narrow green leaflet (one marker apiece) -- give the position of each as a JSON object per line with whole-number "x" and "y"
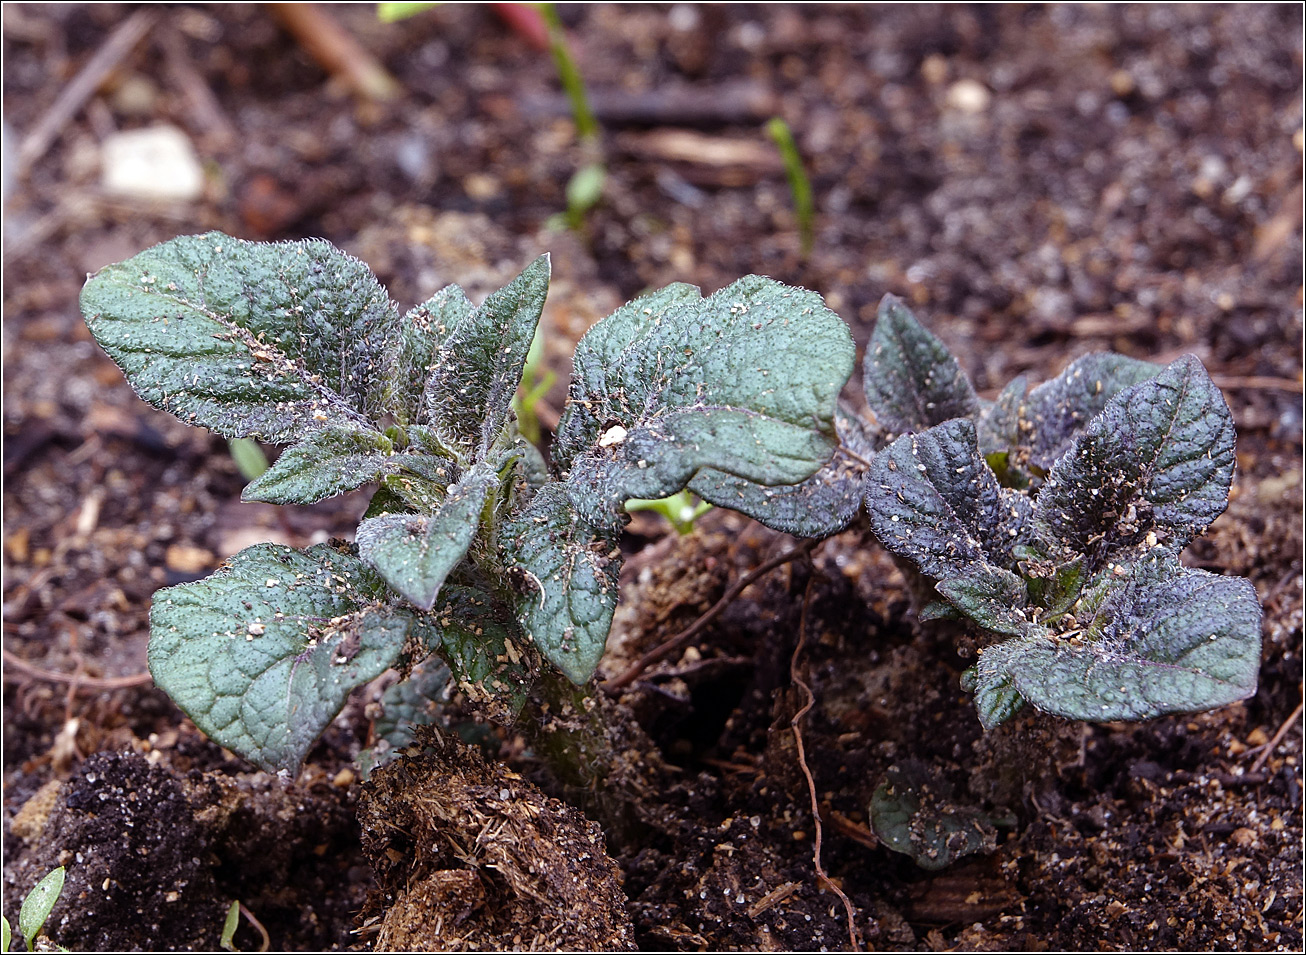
{"x": 414, "y": 553}
{"x": 422, "y": 331}
{"x": 933, "y": 499}
{"x": 263, "y": 340}
{"x": 330, "y": 462}
{"x": 820, "y": 506}
{"x": 475, "y": 373}
{"x": 565, "y": 570}
{"x": 480, "y": 641}
{"x": 262, "y": 654}
{"x": 1055, "y": 412}
{"x": 994, "y": 598}
{"x": 1168, "y": 639}
{"x": 744, "y": 381}
{"x": 912, "y": 381}
{"x": 38, "y": 904}
{"x": 1158, "y": 458}
{"x": 914, "y": 812}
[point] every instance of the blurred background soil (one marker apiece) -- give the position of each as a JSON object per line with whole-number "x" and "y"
{"x": 1037, "y": 182}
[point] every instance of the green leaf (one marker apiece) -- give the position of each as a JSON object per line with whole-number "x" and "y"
{"x": 744, "y": 381}
{"x": 998, "y": 423}
{"x": 820, "y": 506}
{"x": 6, "y": 934}
{"x": 394, "y": 12}
{"x": 330, "y": 462}
{"x": 912, "y": 381}
{"x": 227, "y": 941}
{"x": 932, "y": 499}
{"x": 1158, "y": 458}
{"x": 262, "y": 654}
{"x": 566, "y": 571}
{"x": 422, "y": 331}
{"x": 36, "y": 907}
{"x": 474, "y": 375}
{"x": 1056, "y": 412}
{"x": 914, "y": 812}
{"x": 261, "y": 340}
{"x": 250, "y": 460}
{"x": 480, "y": 641}
{"x": 414, "y": 553}
{"x": 991, "y": 596}
{"x": 1167, "y": 639}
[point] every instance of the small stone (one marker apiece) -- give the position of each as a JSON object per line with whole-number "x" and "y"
{"x": 1243, "y": 837}
{"x": 158, "y": 162}
{"x": 969, "y": 96}
{"x": 188, "y": 559}
{"x": 935, "y": 69}
{"x": 343, "y": 779}
{"x": 1122, "y": 83}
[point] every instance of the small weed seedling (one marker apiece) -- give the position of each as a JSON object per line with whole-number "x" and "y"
{"x": 34, "y": 911}
{"x": 474, "y": 548}
{"x": 800, "y": 187}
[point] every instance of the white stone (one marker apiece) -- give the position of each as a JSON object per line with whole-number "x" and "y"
{"x": 969, "y": 96}
{"x": 158, "y": 162}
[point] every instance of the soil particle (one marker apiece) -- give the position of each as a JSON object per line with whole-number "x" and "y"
{"x": 470, "y": 856}
{"x": 136, "y": 860}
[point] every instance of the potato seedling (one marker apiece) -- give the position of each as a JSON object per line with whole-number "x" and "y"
{"x": 474, "y": 547}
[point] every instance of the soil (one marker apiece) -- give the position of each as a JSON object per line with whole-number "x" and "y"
{"x": 1037, "y": 182}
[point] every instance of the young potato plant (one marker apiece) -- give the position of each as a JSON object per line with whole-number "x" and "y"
{"x": 1054, "y": 518}
{"x": 473, "y": 548}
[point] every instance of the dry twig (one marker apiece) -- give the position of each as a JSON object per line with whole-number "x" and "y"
{"x": 1293, "y": 718}
{"x": 74, "y": 96}
{"x": 335, "y": 49}
{"x": 78, "y": 681}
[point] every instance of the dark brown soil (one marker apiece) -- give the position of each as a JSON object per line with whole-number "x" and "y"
{"x": 1037, "y": 182}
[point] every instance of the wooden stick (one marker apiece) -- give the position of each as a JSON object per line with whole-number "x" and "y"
{"x": 204, "y": 107}
{"x": 335, "y": 49}
{"x": 1268, "y": 748}
{"x": 1257, "y": 382}
{"x": 121, "y": 41}
{"x": 78, "y": 681}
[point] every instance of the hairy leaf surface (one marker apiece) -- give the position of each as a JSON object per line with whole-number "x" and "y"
{"x": 912, "y": 381}
{"x": 262, "y": 340}
{"x": 934, "y": 500}
{"x": 915, "y": 812}
{"x": 262, "y": 654}
{"x": 330, "y": 462}
{"x": 1056, "y": 412}
{"x": 478, "y": 366}
{"x": 414, "y": 553}
{"x": 744, "y": 381}
{"x": 1158, "y": 458}
{"x": 822, "y": 505}
{"x": 565, "y": 570}
{"x": 482, "y": 645}
{"x": 1168, "y": 639}
{"x": 423, "y": 330}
